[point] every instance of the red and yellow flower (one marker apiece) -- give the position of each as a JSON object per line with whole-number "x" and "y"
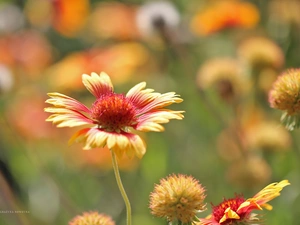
{"x": 238, "y": 210}
{"x": 113, "y": 117}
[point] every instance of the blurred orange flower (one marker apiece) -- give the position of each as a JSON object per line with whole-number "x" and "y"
{"x": 69, "y": 18}
{"x": 6, "y": 54}
{"x": 224, "y": 14}
{"x": 120, "y": 61}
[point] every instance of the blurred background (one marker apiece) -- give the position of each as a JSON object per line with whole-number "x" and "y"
{"x": 221, "y": 56}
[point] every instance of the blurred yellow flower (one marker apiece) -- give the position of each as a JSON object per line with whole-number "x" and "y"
{"x": 284, "y": 11}
{"x": 238, "y": 210}
{"x": 39, "y": 13}
{"x": 250, "y": 172}
{"x": 177, "y": 197}
{"x": 92, "y": 218}
{"x": 227, "y": 146}
{"x": 254, "y": 56}
{"x": 285, "y": 96}
{"x": 268, "y": 136}
{"x": 220, "y": 15}
{"x": 225, "y": 75}
{"x": 113, "y": 116}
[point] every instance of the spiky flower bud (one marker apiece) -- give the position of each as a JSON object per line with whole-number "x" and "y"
{"x": 178, "y": 197}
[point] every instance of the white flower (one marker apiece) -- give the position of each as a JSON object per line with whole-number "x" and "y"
{"x": 6, "y": 79}
{"x": 11, "y": 18}
{"x": 155, "y": 15}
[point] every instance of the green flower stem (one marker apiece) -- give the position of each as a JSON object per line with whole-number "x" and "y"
{"x": 121, "y": 188}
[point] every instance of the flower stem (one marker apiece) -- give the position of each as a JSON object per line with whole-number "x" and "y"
{"x": 121, "y": 188}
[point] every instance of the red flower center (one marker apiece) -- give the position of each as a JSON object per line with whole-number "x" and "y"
{"x": 113, "y": 112}
{"x": 233, "y": 203}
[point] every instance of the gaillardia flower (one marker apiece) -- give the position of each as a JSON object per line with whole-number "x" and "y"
{"x": 178, "y": 197}
{"x": 92, "y": 218}
{"x": 238, "y": 210}
{"x": 285, "y": 95}
{"x": 113, "y": 117}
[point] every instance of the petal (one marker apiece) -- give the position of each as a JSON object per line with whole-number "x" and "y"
{"x": 138, "y": 145}
{"x": 147, "y": 100}
{"x": 160, "y": 101}
{"x": 111, "y": 140}
{"x": 122, "y": 141}
{"x": 67, "y": 112}
{"x": 268, "y": 193}
{"x": 150, "y": 121}
{"x": 79, "y": 136}
{"x": 210, "y": 221}
{"x": 97, "y": 84}
{"x": 150, "y": 126}
{"x": 63, "y": 101}
{"x": 116, "y": 139}
{"x": 95, "y": 138}
{"x": 121, "y": 144}
{"x": 229, "y": 214}
{"x": 67, "y": 118}
{"x": 131, "y": 94}
{"x": 141, "y": 97}
{"x": 118, "y": 151}
{"x": 248, "y": 206}
{"x": 92, "y": 137}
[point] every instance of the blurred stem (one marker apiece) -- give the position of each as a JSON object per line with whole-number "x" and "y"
{"x": 121, "y": 188}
